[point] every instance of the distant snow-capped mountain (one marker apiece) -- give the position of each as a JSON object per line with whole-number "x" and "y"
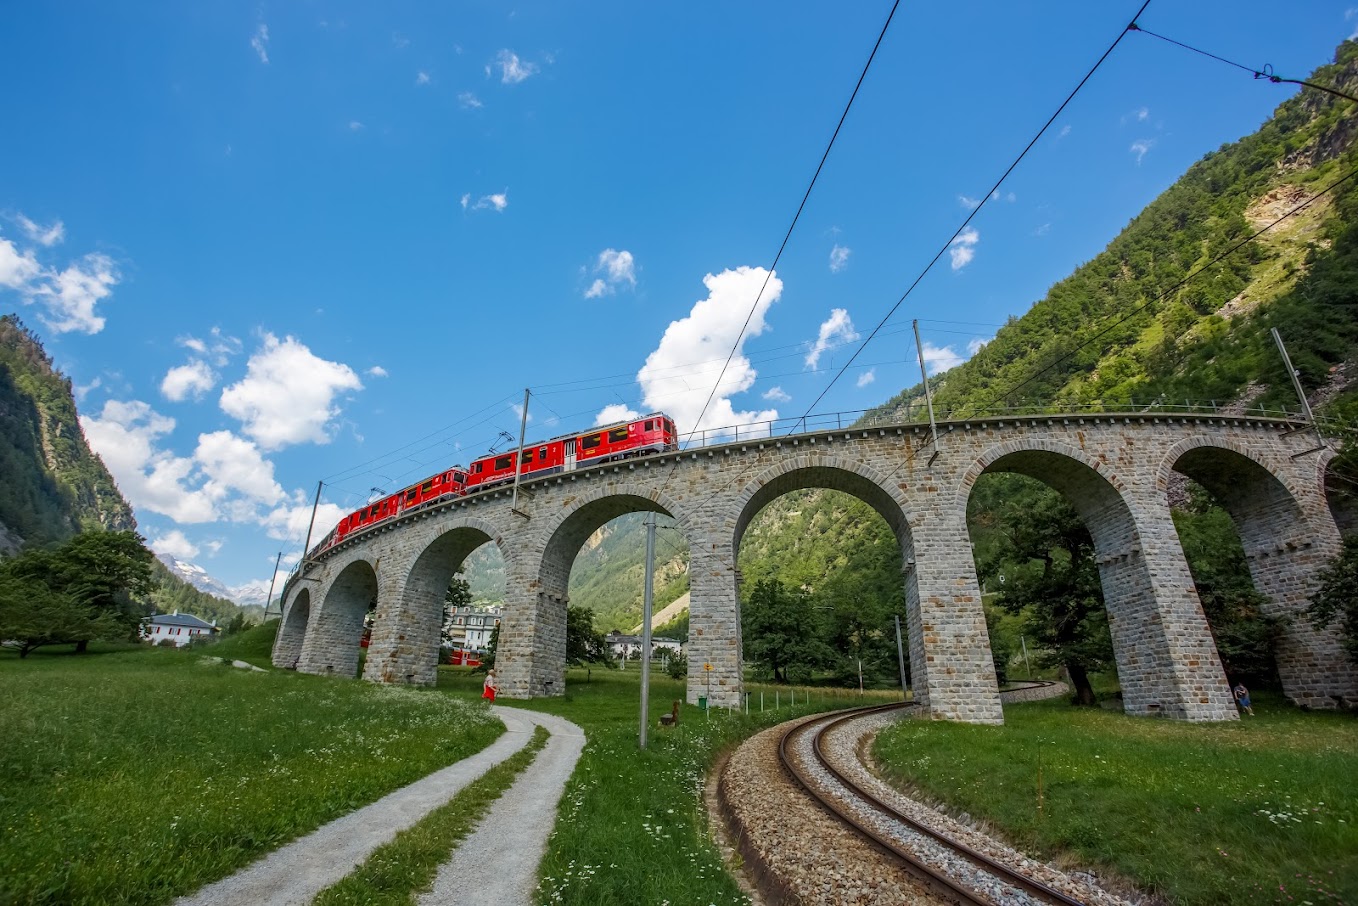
{"x": 251, "y": 594}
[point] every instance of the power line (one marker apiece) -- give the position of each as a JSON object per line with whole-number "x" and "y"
{"x": 1265, "y": 73}
{"x": 1172, "y": 289}
{"x": 984, "y": 200}
{"x": 788, "y": 236}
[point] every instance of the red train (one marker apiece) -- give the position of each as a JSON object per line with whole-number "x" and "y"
{"x": 649, "y": 434}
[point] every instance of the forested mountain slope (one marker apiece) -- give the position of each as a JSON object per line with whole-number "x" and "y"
{"x": 51, "y": 484}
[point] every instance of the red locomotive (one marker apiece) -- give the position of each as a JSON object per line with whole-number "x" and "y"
{"x": 650, "y": 434}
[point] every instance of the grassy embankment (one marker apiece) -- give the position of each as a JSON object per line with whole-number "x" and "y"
{"x": 1260, "y": 811}
{"x": 135, "y": 775}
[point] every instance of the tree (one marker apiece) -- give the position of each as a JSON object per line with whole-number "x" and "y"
{"x": 459, "y": 594}
{"x": 488, "y": 659}
{"x": 583, "y": 642}
{"x": 1338, "y": 596}
{"x": 781, "y": 632}
{"x": 1050, "y": 578}
{"x": 85, "y": 589}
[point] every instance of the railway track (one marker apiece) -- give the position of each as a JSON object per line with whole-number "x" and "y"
{"x": 949, "y": 869}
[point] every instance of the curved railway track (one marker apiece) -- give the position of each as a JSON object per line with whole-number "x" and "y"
{"x": 951, "y": 870}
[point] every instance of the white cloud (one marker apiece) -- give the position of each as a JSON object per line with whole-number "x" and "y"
{"x": 234, "y": 465}
{"x": 355, "y": 126}
{"x": 126, "y": 437}
{"x": 867, "y": 377}
{"x": 839, "y": 258}
{"x": 668, "y": 379}
{"x": 217, "y": 349}
{"x": 80, "y": 391}
{"x": 616, "y": 412}
{"x": 71, "y": 295}
{"x": 938, "y": 359}
{"x": 288, "y": 394}
{"x": 17, "y": 269}
{"x": 967, "y": 201}
{"x": 499, "y": 201}
{"x": 422, "y": 78}
{"x": 377, "y": 371}
{"x": 617, "y": 268}
{"x": 45, "y": 236}
{"x": 1141, "y": 147}
{"x": 260, "y": 42}
{"x": 777, "y": 395}
{"x": 976, "y": 344}
{"x": 1143, "y": 114}
{"x": 174, "y": 544}
{"x": 1043, "y": 229}
{"x": 1065, "y": 130}
{"x": 512, "y": 69}
{"x": 963, "y": 248}
{"x": 837, "y": 327}
{"x": 290, "y": 521}
{"x": 193, "y": 379}
{"x": 468, "y": 100}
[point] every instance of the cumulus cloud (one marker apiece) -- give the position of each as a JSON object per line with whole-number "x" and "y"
{"x": 17, "y": 268}
{"x": 839, "y": 258}
{"x": 126, "y": 436}
{"x": 290, "y": 521}
{"x": 668, "y": 380}
{"x": 867, "y": 377}
{"x": 777, "y": 395}
{"x": 486, "y": 202}
{"x": 967, "y": 201}
{"x": 377, "y": 371}
{"x": 234, "y": 466}
{"x": 976, "y": 344}
{"x": 468, "y": 101}
{"x": 616, "y": 412}
{"x": 1141, "y": 147}
{"x": 938, "y": 359}
{"x": 69, "y": 297}
{"x": 616, "y": 268}
{"x": 174, "y": 544}
{"x": 963, "y": 248}
{"x": 193, "y": 379}
{"x": 512, "y": 69}
{"x": 288, "y": 395}
{"x": 836, "y": 329}
{"x": 260, "y": 42}
{"x": 218, "y": 348}
{"x": 45, "y": 236}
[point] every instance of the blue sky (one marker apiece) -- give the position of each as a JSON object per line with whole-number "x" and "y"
{"x": 278, "y": 243}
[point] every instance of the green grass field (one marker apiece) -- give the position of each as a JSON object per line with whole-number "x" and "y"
{"x": 1260, "y": 811}
{"x": 133, "y": 776}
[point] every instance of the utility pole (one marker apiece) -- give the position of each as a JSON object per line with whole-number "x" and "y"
{"x": 518, "y": 457}
{"x": 1301, "y": 394}
{"x": 272, "y": 579}
{"x": 647, "y": 602}
{"x": 306, "y": 546}
{"x": 928, "y": 394}
{"x": 900, "y": 656}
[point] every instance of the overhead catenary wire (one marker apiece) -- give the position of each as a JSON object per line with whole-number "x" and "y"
{"x": 1266, "y": 73}
{"x": 990, "y": 193}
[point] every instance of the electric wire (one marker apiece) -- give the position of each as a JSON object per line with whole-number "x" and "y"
{"x": 1166, "y": 293}
{"x": 1265, "y": 73}
{"x": 792, "y": 226}
{"x": 977, "y": 210}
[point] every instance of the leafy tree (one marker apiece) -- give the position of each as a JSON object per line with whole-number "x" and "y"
{"x": 584, "y": 643}
{"x": 782, "y": 632}
{"x": 677, "y": 665}
{"x": 1338, "y": 596}
{"x": 236, "y": 625}
{"x": 1051, "y": 580}
{"x": 78, "y": 592}
{"x": 459, "y": 594}
{"x": 488, "y": 658}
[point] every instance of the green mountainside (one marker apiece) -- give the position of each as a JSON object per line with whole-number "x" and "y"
{"x": 1125, "y": 329}
{"x": 52, "y": 486}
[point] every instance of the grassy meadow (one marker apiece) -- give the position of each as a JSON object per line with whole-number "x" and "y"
{"x": 136, "y": 775}
{"x": 1260, "y": 811}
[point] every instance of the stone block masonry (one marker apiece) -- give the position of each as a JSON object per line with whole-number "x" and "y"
{"x": 1114, "y": 469}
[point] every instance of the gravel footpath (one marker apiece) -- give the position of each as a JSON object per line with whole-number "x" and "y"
{"x": 498, "y": 862}
{"x": 308, "y": 865}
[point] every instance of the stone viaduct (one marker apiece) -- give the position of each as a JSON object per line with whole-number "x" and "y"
{"x": 1115, "y": 469}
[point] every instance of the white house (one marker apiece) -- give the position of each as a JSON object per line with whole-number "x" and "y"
{"x": 470, "y": 627}
{"x": 626, "y": 646}
{"x": 180, "y": 628}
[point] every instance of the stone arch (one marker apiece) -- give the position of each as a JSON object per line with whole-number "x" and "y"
{"x": 332, "y": 640}
{"x": 1166, "y": 660}
{"x": 531, "y": 658}
{"x": 1288, "y": 533}
{"x": 405, "y": 644}
{"x": 287, "y": 649}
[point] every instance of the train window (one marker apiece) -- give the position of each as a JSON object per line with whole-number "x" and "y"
{"x": 617, "y": 435}
{"x": 459, "y": 477}
{"x": 590, "y": 441}
{"x": 527, "y": 456}
{"x": 477, "y": 467}
{"x": 649, "y": 425}
{"x": 542, "y": 453}
{"x": 427, "y": 486}
{"x": 412, "y": 494}
{"x": 503, "y": 462}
